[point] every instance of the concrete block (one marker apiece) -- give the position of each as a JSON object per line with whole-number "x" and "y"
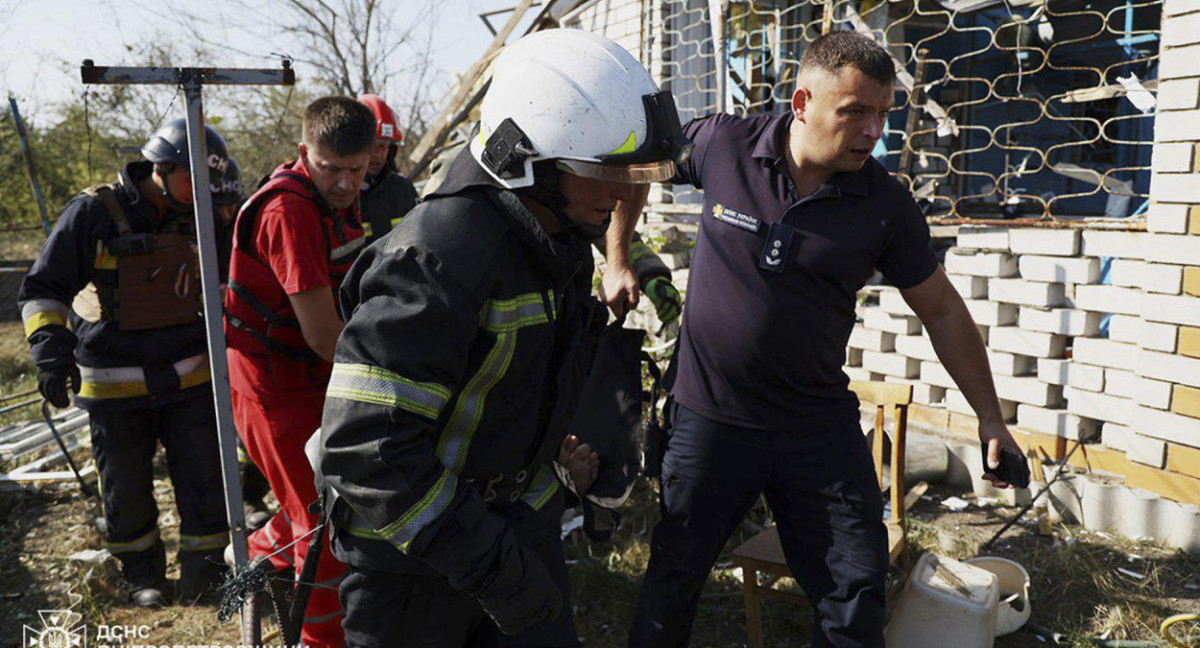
{"x": 1026, "y": 293}
{"x": 1184, "y": 310}
{"x": 1120, "y": 382}
{"x": 1186, "y": 401}
{"x": 1177, "y": 32}
{"x": 1159, "y": 337}
{"x": 1173, "y": 158}
{"x": 1180, "y": 62}
{"x": 1055, "y": 422}
{"x": 934, "y": 373}
{"x": 1078, "y": 270}
{"x": 1173, "y": 248}
{"x": 1126, "y": 273}
{"x": 983, "y": 238}
{"x": 1171, "y": 368}
{"x": 1070, "y": 374}
{"x": 1191, "y": 280}
{"x": 865, "y": 338}
{"x": 981, "y": 264}
{"x": 1183, "y": 459}
{"x": 1011, "y": 364}
{"x": 1050, "y": 242}
{"x": 1172, "y": 126}
{"x": 891, "y": 364}
{"x": 858, "y": 373}
{"x": 1063, "y": 321}
{"x": 892, "y": 302}
{"x": 916, "y": 346}
{"x": 1115, "y": 436}
{"x": 1111, "y": 243}
{"x": 957, "y": 403}
{"x": 1189, "y": 342}
{"x": 1153, "y": 393}
{"x": 1030, "y": 343}
{"x": 1147, "y": 450}
{"x": 928, "y": 394}
{"x": 969, "y": 287}
{"x": 1028, "y": 390}
{"x": 1168, "y": 426}
{"x": 1125, "y": 328}
{"x": 881, "y": 320}
{"x": 1101, "y": 407}
{"x": 1168, "y": 218}
{"x": 1106, "y": 353}
{"x": 1108, "y": 299}
{"x": 1162, "y": 278}
{"x": 853, "y": 357}
{"x": 990, "y": 313}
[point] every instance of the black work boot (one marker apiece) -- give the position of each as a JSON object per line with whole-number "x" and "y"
{"x": 199, "y": 575}
{"x": 146, "y": 575}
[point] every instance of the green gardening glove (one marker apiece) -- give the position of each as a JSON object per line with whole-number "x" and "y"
{"x": 665, "y": 297}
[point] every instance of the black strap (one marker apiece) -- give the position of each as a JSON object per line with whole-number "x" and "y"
{"x": 108, "y": 196}
{"x": 273, "y": 345}
{"x": 272, "y": 317}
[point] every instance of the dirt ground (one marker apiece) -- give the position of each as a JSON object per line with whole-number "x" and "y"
{"x": 1076, "y": 589}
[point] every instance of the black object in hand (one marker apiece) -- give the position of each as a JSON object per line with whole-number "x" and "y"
{"x": 1013, "y": 468}
{"x": 55, "y": 383}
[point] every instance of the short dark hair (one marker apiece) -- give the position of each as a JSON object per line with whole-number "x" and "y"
{"x": 340, "y": 124}
{"x": 836, "y": 50}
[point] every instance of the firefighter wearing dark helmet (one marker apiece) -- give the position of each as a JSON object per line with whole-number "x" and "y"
{"x": 386, "y": 195}
{"x": 121, "y": 268}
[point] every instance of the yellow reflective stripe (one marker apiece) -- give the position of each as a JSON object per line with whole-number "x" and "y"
{"x": 629, "y": 146}
{"x": 468, "y": 409}
{"x": 367, "y": 229}
{"x": 504, "y": 315}
{"x": 541, "y": 488}
{"x": 203, "y": 542}
{"x": 138, "y": 544}
{"x": 403, "y": 530}
{"x": 135, "y": 388}
{"x": 376, "y": 385}
{"x": 104, "y": 260}
{"x": 43, "y": 312}
{"x": 396, "y": 221}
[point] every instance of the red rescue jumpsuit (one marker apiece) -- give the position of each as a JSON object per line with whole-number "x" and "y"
{"x": 287, "y": 240}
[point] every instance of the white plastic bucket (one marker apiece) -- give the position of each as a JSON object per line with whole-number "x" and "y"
{"x": 1013, "y": 582}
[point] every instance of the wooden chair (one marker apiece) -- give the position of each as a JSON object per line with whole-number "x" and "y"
{"x": 764, "y": 554}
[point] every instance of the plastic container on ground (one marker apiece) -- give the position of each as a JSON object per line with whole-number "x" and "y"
{"x": 1013, "y": 581}
{"x": 945, "y": 603}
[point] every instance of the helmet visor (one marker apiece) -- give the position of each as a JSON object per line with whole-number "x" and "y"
{"x": 624, "y": 173}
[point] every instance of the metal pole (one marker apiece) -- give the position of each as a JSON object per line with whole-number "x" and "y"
{"x": 29, "y": 166}
{"x": 206, "y": 238}
{"x": 716, "y": 26}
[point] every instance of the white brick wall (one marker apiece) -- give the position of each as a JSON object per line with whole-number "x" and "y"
{"x": 1159, "y": 337}
{"x": 916, "y": 346}
{"x": 1073, "y": 374}
{"x": 1028, "y": 390}
{"x": 1172, "y": 248}
{"x": 1168, "y": 218}
{"x": 1063, "y": 321}
{"x": 1120, "y": 382}
{"x": 891, "y": 364}
{"x": 1106, "y": 353}
{"x": 1011, "y": 364}
{"x": 1023, "y": 342}
{"x": 1153, "y": 393}
{"x": 1112, "y": 243}
{"x": 864, "y": 338}
{"x": 983, "y": 238}
{"x": 1173, "y": 158}
{"x": 957, "y": 402}
{"x": 1026, "y": 293}
{"x": 989, "y": 313}
{"x": 1168, "y": 367}
{"x": 881, "y": 320}
{"x": 1115, "y": 436}
{"x": 1061, "y": 269}
{"x": 1051, "y": 242}
{"x": 1183, "y": 310}
{"x": 1161, "y": 278}
{"x": 983, "y": 264}
{"x": 1056, "y": 422}
{"x": 1167, "y": 426}
{"x": 1178, "y": 94}
{"x": 1180, "y": 62}
{"x": 934, "y": 373}
{"x": 1146, "y": 450}
{"x": 1101, "y": 407}
{"x": 892, "y": 302}
{"x": 1125, "y": 328}
{"x": 1183, "y": 30}
{"x": 1176, "y": 187}
{"x": 1108, "y": 299}
{"x": 969, "y": 287}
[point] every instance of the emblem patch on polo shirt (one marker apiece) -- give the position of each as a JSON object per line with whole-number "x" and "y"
{"x": 736, "y": 218}
{"x": 779, "y": 243}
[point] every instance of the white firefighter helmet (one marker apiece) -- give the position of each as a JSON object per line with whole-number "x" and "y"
{"x": 582, "y": 100}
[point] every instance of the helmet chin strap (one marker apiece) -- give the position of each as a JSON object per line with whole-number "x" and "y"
{"x": 545, "y": 191}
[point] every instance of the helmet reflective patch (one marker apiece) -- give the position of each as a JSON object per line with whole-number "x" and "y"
{"x": 629, "y": 146}
{"x": 387, "y": 130}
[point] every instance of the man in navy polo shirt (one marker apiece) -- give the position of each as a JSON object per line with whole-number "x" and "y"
{"x": 797, "y": 218}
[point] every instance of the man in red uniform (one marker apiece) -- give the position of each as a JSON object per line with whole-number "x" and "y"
{"x": 294, "y": 241}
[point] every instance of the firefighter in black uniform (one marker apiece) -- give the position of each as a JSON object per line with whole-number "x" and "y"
{"x": 121, "y": 267}
{"x": 386, "y": 195}
{"x": 452, "y": 379}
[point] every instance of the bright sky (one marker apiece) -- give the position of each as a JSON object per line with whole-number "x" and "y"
{"x": 43, "y": 42}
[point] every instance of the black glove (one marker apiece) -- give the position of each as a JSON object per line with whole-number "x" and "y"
{"x": 53, "y": 383}
{"x": 522, "y": 594}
